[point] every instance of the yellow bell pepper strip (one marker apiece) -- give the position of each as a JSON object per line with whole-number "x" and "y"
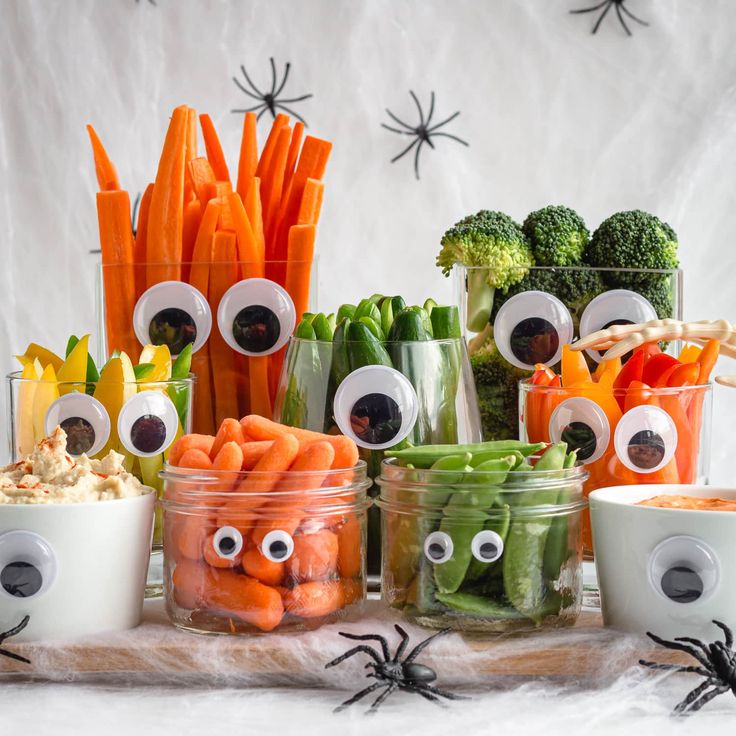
{"x": 689, "y": 354}
{"x": 24, "y": 437}
{"x": 46, "y": 393}
{"x": 44, "y": 356}
{"x": 72, "y": 375}
{"x": 117, "y": 384}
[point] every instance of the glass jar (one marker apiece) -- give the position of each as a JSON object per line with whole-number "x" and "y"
{"x": 253, "y": 552}
{"x": 463, "y": 551}
{"x": 624, "y": 436}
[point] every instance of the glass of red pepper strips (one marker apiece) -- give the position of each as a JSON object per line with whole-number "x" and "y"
{"x": 644, "y": 421}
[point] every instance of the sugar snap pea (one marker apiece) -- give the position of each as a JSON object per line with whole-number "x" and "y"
{"x": 499, "y": 522}
{"x": 425, "y": 455}
{"x": 479, "y": 605}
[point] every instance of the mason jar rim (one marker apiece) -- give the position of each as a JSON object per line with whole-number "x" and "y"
{"x": 16, "y": 377}
{"x": 536, "y": 511}
{"x": 526, "y": 387}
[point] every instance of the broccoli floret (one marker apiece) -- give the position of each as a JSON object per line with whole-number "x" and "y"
{"x": 557, "y": 236}
{"x": 633, "y": 239}
{"x": 496, "y": 382}
{"x": 497, "y": 247}
{"x": 657, "y": 289}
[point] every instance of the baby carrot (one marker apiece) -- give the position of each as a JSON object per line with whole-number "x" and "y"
{"x": 253, "y": 452}
{"x": 277, "y": 459}
{"x": 346, "y": 452}
{"x": 314, "y": 556}
{"x": 349, "y": 557}
{"x": 315, "y": 599}
{"x": 190, "y": 442}
{"x": 192, "y": 582}
{"x": 246, "y": 598}
{"x": 229, "y": 431}
{"x": 189, "y": 532}
{"x": 261, "y": 568}
{"x": 229, "y": 458}
{"x": 195, "y": 459}
{"x": 212, "y": 558}
{"x": 353, "y": 590}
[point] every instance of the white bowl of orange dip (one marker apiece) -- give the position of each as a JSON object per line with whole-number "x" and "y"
{"x": 665, "y": 557}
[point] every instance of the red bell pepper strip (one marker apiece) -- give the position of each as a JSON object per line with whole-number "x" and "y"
{"x": 656, "y": 366}
{"x": 632, "y": 371}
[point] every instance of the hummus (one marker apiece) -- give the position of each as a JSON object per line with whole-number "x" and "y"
{"x": 50, "y": 475}
{"x": 692, "y": 503}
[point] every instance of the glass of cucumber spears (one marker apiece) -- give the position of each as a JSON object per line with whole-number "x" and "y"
{"x": 483, "y": 537}
{"x": 384, "y": 373}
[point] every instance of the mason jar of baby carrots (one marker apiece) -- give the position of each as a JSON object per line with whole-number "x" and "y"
{"x": 256, "y": 551}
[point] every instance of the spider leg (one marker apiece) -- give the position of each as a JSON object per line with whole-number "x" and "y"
{"x": 283, "y": 81}
{"x": 15, "y": 630}
{"x": 443, "y": 693}
{"x": 370, "y": 651}
{"x": 632, "y": 16}
{"x": 602, "y": 16}
{"x": 273, "y": 75}
{"x": 250, "y": 81}
{"x": 427, "y": 696}
{"x": 621, "y": 19}
{"x": 693, "y": 695}
{"x": 291, "y": 112}
{"x": 431, "y": 108}
{"x": 454, "y": 138}
{"x": 423, "y": 644}
{"x": 405, "y": 151}
{"x": 243, "y": 89}
{"x": 677, "y": 646}
{"x": 16, "y": 657}
{"x": 706, "y": 698}
{"x": 252, "y": 109}
{"x": 296, "y": 99}
{"x": 266, "y": 108}
{"x": 590, "y": 10}
{"x": 404, "y": 643}
{"x": 400, "y": 122}
{"x": 416, "y": 159}
{"x": 695, "y": 642}
{"x": 377, "y": 702}
{"x": 396, "y": 130}
{"x": 444, "y": 122}
{"x": 419, "y": 107}
{"x": 358, "y": 696}
{"x": 727, "y": 632}
{"x": 371, "y": 637}
{"x": 675, "y": 668}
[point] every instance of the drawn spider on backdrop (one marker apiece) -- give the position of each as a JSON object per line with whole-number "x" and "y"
{"x": 393, "y": 673}
{"x": 133, "y": 221}
{"x": 718, "y": 666}
{"x": 620, "y": 6}
{"x": 270, "y": 100}
{"x": 150, "y": 2}
{"x": 422, "y": 133}
{"x": 13, "y": 632}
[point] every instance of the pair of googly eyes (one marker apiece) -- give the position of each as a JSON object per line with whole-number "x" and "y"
{"x": 645, "y": 438}
{"x": 486, "y": 546}
{"x": 28, "y": 565}
{"x": 277, "y": 545}
{"x": 255, "y": 317}
{"x": 533, "y": 326}
{"x": 147, "y": 423}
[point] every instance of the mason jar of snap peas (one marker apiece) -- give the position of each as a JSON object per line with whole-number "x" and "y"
{"x": 483, "y": 537}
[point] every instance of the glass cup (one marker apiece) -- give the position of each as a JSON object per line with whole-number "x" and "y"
{"x": 511, "y": 559}
{"x": 255, "y": 552}
{"x": 623, "y": 436}
{"x": 508, "y": 333}
{"x": 427, "y": 396}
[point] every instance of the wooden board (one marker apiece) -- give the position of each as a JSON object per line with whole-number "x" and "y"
{"x": 156, "y": 649}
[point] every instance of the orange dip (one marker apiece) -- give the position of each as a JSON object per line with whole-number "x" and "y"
{"x": 693, "y": 503}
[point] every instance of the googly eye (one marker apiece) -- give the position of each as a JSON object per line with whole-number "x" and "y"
{"x": 438, "y": 547}
{"x": 172, "y": 313}
{"x": 583, "y": 425}
{"x": 645, "y": 439}
{"x": 615, "y": 307}
{"x": 487, "y": 546}
{"x": 531, "y": 328}
{"x": 147, "y": 423}
{"x": 376, "y": 406}
{"x": 256, "y": 317}
{"x": 85, "y": 421}
{"x": 277, "y": 546}
{"x": 227, "y": 542}
{"x": 27, "y": 565}
{"x": 684, "y": 569}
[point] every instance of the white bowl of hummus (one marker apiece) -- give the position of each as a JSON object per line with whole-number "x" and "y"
{"x": 666, "y": 557}
{"x": 75, "y": 540}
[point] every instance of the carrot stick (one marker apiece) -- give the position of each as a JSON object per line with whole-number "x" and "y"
{"x": 214, "y": 150}
{"x": 312, "y": 600}
{"x": 311, "y": 203}
{"x": 272, "y": 184}
{"x": 201, "y": 442}
{"x": 260, "y": 395}
{"x": 264, "y": 162}
{"x": 223, "y": 275}
{"x": 107, "y": 176}
{"x": 190, "y": 152}
{"x": 248, "y": 160}
{"x": 253, "y": 452}
{"x": 203, "y": 179}
{"x": 258, "y": 566}
{"x": 229, "y": 431}
{"x": 299, "y": 266}
{"x": 116, "y": 242}
{"x": 192, "y": 217}
{"x": 165, "y": 219}
{"x": 251, "y": 263}
{"x": 255, "y": 216}
{"x": 294, "y": 145}
{"x": 223, "y": 190}
{"x": 196, "y": 459}
{"x": 707, "y": 359}
{"x": 139, "y": 249}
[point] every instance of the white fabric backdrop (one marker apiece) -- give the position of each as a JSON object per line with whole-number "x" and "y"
{"x": 552, "y": 114}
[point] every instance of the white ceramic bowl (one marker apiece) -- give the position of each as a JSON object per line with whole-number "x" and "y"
{"x": 75, "y": 569}
{"x": 668, "y": 571}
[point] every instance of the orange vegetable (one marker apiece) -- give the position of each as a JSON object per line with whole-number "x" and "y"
{"x": 203, "y": 179}
{"x": 190, "y": 152}
{"x": 116, "y": 242}
{"x": 637, "y": 394}
{"x": 248, "y": 155}
{"x": 192, "y": 582}
{"x": 253, "y": 452}
{"x": 349, "y": 556}
{"x": 107, "y": 176}
{"x": 229, "y": 458}
{"x": 260, "y": 397}
{"x": 299, "y": 266}
{"x": 261, "y": 568}
{"x": 311, "y": 203}
{"x": 139, "y": 249}
{"x": 291, "y": 159}
{"x": 346, "y": 452}
{"x": 255, "y": 216}
{"x": 251, "y": 262}
{"x": 192, "y": 218}
{"x": 315, "y": 599}
{"x": 196, "y": 459}
{"x": 707, "y": 360}
{"x": 353, "y": 590}
{"x": 229, "y": 431}
{"x": 275, "y": 461}
{"x": 686, "y": 374}
{"x": 689, "y": 354}
{"x": 201, "y": 442}
{"x": 212, "y": 558}
{"x": 264, "y": 163}
{"x": 214, "y": 150}
{"x": 166, "y": 214}
{"x": 314, "y": 556}
{"x": 272, "y": 184}
{"x": 686, "y": 453}
{"x": 188, "y": 533}
{"x": 574, "y": 369}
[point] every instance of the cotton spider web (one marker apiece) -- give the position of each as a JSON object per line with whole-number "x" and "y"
{"x": 270, "y": 100}
{"x": 621, "y": 10}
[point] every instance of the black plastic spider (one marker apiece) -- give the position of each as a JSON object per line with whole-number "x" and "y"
{"x": 11, "y": 633}
{"x": 423, "y": 133}
{"x": 269, "y": 100}
{"x": 718, "y": 666}
{"x": 393, "y": 673}
{"x": 620, "y": 6}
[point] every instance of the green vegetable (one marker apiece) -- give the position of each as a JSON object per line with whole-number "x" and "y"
{"x": 557, "y": 236}
{"x": 496, "y": 244}
{"x": 499, "y": 522}
{"x": 445, "y": 322}
{"x": 340, "y": 357}
{"x": 322, "y": 328}
{"x": 429, "y": 305}
{"x": 346, "y": 310}
{"x": 424, "y": 456}
{"x": 364, "y": 348}
{"x": 305, "y": 331}
{"x": 367, "y": 308}
{"x": 143, "y": 370}
{"x": 480, "y": 605}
